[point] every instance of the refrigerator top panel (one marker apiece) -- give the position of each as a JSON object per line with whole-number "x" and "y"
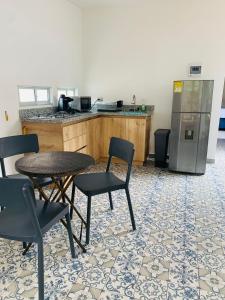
{"x": 192, "y": 96}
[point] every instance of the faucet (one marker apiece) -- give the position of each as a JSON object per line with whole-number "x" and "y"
{"x": 133, "y": 102}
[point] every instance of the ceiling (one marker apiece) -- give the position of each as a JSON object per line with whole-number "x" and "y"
{"x": 97, "y": 3}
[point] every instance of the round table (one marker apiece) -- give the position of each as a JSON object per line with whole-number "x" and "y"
{"x": 47, "y": 164}
{"x": 55, "y": 165}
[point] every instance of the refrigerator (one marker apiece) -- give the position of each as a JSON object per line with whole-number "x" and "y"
{"x": 192, "y": 102}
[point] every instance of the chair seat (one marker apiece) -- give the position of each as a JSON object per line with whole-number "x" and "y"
{"x": 41, "y": 181}
{"x": 48, "y": 213}
{"x": 98, "y": 183}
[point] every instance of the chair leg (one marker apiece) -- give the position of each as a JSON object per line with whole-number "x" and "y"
{"x": 24, "y": 245}
{"x": 40, "y": 270}
{"x": 130, "y": 208}
{"x": 72, "y": 200}
{"x": 88, "y": 220}
{"x": 110, "y": 200}
{"x": 70, "y": 234}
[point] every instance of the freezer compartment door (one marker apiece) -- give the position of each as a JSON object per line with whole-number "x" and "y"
{"x": 188, "y": 97}
{"x": 193, "y": 96}
{"x": 184, "y": 142}
{"x": 203, "y": 143}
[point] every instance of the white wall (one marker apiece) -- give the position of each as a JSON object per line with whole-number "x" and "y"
{"x": 41, "y": 45}
{"x": 141, "y": 49}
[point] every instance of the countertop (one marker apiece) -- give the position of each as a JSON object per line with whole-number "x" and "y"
{"x": 77, "y": 117}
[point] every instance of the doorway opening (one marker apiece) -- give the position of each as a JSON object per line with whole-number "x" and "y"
{"x": 221, "y": 133}
{"x": 220, "y": 150}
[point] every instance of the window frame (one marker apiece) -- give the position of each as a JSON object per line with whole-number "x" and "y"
{"x": 35, "y": 102}
{"x": 68, "y": 89}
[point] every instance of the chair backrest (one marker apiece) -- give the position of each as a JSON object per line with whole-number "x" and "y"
{"x": 121, "y": 149}
{"x": 17, "y": 144}
{"x": 18, "y": 199}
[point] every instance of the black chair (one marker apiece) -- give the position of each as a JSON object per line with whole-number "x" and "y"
{"x": 20, "y": 144}
{"x": 26, "y": 219}
{"x": 100, "y": 183}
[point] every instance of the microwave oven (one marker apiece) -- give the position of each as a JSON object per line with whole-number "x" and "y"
{"x": 81, "y": 104}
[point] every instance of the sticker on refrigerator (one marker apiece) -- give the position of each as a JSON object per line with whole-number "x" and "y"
{"x": 178, "y": 86}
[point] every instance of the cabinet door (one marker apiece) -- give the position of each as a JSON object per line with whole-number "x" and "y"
{"x": 111, "y": 127}
{"x": 93, "y": 137}
{"x": 75, "y": 136}
{"x": 136, "y": 134}
{"x": 78, "y": 143}
{"x": 49, "y": 135}
{"x": 74, "y": 130}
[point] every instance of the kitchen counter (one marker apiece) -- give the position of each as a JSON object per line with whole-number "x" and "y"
{"x": 90, "y": 132}
{"x": 78, "y": 117}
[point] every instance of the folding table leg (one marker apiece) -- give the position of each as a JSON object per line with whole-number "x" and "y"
{"x": 110, "y": 200}
{"x": 72, "y": 200}
{"x": 70, "y": 234}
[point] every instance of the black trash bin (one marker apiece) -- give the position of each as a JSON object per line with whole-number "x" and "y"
{"x": 161, "y": 147}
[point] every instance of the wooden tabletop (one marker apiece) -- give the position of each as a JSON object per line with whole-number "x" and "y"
{"x": 53, "y": 163}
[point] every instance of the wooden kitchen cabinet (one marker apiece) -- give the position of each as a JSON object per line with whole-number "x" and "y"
{"x": 50, "y": 136}
{"x": 74, "y": 130}
{"x": 111, "y": 126}
{"x": 135, "y": 130}
{"x": 75, "y": 137}
{"x": 58, "y": 137}
{"x": 92, "y": 136}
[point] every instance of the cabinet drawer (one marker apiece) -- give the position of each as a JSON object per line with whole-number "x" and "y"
{"x": 73, "y": 131}
{"x": 75, "y": 143}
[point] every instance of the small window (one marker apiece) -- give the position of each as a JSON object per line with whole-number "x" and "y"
{"x": 42, "y": 95}
{"x": 34, "y": 96}
{"x": 26, "y": 95}
{"x": 68, "y": 92}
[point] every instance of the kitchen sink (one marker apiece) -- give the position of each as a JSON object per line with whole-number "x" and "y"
{"x": 133, "y": 113}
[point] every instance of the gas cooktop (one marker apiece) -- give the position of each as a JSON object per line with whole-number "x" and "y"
{"x": 57, "y": 115}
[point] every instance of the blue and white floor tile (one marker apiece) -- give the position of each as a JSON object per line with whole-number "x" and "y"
{"x": 177, "y": 251}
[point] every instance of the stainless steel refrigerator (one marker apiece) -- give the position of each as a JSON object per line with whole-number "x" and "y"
{"x": 192, "y": 101}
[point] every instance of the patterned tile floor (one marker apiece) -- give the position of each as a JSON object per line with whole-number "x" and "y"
{"x": 177, "y": 251}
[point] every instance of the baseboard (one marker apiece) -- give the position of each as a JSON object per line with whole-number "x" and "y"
{"x": 209, "y": 160}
